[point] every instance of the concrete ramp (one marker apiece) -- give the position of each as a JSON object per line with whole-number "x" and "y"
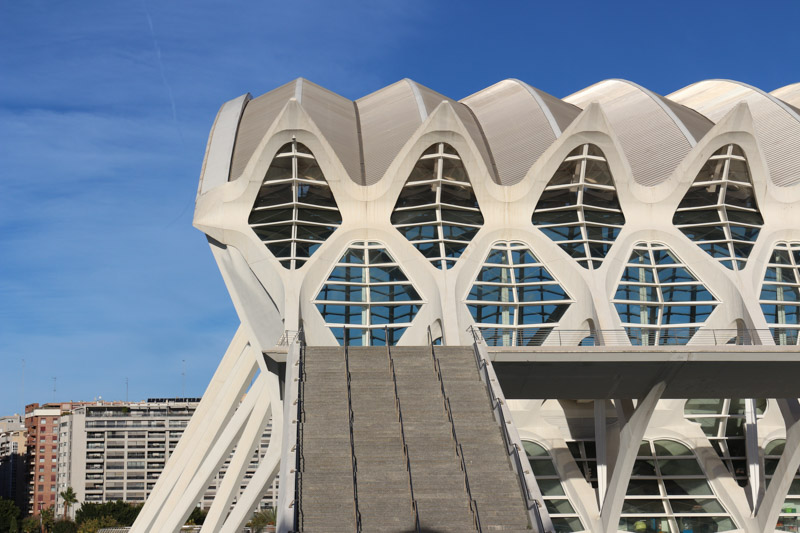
{"x": 391, "y": 441}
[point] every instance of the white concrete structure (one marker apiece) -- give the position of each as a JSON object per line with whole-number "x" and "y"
{"x": 614, "y": 217}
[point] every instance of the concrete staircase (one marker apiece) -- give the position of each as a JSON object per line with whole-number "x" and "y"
{"x": 384, "y": 493}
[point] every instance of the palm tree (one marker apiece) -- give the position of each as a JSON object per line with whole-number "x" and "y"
{"x": 68, "y": 495}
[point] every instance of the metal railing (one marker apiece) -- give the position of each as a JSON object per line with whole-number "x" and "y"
{"x": 351, "y": 418}
{"x": 300, "y": 465}
{"x": 512, "y": 449}
{"x": 414, "y": 506}
{"x": 635, "y": 336}
{"x": 289, "y": 336}
{"x": 473, "y": 505}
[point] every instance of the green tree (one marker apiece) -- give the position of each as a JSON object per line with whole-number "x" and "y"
{"x": 262, "y": 519}
{"x": 12, "y": 527}
{"x": 124, "y": 513}
{"x": 65, "y": 526}
{"x": 94, "y": 524}
{"x": 30, "y": 525}
{"x": 48, "y": 518}
{"x": 70, "y": 499}
{"x": 8, "y": 512}
{"x": 197, "y": 517}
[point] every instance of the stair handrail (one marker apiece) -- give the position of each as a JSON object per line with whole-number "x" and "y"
{"x": 437, "y": 366}
{"x": 300, "y": 463}
{"x": 414, "y": 506}
{"x": 512, "y": 449}
{"x": 351, "y": 418}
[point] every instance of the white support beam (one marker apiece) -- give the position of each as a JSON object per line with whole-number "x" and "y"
{"x": 600, "y": 439}
{"x": 195, "y": 427}
{"x": 208, "y": 433}
{"x": 629, "y": 441}
{"x": 248, "y": 420}
{"x": 767, "y": 513}
{"x": 267, "y": 468}
{"x": 755, "y": 468}
{"x": 286, "y": 488}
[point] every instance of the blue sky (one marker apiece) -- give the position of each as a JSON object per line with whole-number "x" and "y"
{"x": 105, "y": 108}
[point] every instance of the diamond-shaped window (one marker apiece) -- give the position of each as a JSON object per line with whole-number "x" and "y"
{"x": 658, "y": 299}
{"x": 515, "y": 301}
{"x": 366, "y": 295}
{"x": 437, "y": 210}
{"x": 719, "y": 212}
{"x": 294, "y": 212}
{"x": 780, "y": 293}
{"x": 579, "y": 209}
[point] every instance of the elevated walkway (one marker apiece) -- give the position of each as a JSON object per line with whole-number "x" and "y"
{"x": 401, "y": 440}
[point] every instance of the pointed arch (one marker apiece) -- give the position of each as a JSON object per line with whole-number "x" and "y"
{"x": 579, "y": 209}
{"x": 719, "y": 211}
{"x": 294, "y": 211}
{"x": 437, "y": 209}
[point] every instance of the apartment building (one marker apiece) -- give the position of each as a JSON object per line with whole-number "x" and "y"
{"x": 13, "y": 474}
{"x": 41, "y": 424}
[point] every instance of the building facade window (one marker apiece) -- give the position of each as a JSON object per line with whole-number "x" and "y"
{"x": 562, "y": 513}
{"x": 294, "y": 212}
{"x": 437, "y": 209}
{"x": 579, "y": 209}
{"x": 719, "y": 212}
{"x": 669, "y": 491}
{"x": 366, "y": 295}
{"x": 658, "y": 299}
{"x": 515, "y": 301}
{"x": 789, "y": 518}
{"x": 723, "y": 422}
{"x": 780, "y": 293}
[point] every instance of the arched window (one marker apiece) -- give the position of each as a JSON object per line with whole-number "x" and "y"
{"x": 780, "y": 293}
{"x": 437, "y": 210}
{"x": 723, "y": 422}
{"x": 562, "y": 513}
{"x": 579, "y": 209}
{"x": 669, "y": 491}
{"x": 789, "y": 518}
{"x": 719, "y": 212}
{"x": 294, "y": 212}
{"x": 658, "y": 299}
{"x": 515, "y": 301}
{"x": 365, "y": 293}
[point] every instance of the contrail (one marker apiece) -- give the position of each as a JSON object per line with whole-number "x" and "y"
{"x": 157, "y": 50}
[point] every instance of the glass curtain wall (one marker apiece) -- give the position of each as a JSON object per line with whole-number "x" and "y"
{"x": 780, "y": 293}
{"x": 294, "y": 212}
{"x": 719, "y": 212}
{"x": 366, "y": 293}
{"x": 789, "y": 518}
{"x": 579, "y": 209}
{"x": 515, "y": 301}
{"x": 669, "y": 492}
{"x": 562, "y": 513}
{"x": 658, "y": 299}
{"x": 437, "y": 209}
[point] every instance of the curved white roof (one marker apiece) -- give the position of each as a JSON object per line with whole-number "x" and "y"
{"x": 520, "y": 123}
{"x": 655, "y": 134}
{"x": 776, "y": 123}
{"x": 789, "y": 94}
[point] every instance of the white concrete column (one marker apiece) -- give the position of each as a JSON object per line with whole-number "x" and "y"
{"x": 286, "y": 488}
{"x": 600, "y": 445}
{"x": 187, "y": 442}
{"x": 267, "y": 468}
{"x": 629, "y": 441}
{"x": 755, "y": 469}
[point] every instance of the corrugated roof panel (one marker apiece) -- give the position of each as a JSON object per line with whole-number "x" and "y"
{"x": 697, "y": 124}
{"x": 562, "y": 112}
{"x": 516, "y": 128}
{"x": 335, "y": 116}
{"x": 388, "y": 119}
{"x": 258, "y": 116}
{"x": 789, "y": 94}
{"x": 776, "y": 124}
{"x": 653, "y": 142}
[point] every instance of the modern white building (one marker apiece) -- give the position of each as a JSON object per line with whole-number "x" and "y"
{"x": 116, "y": 451}
{"x": 621, "y": 257}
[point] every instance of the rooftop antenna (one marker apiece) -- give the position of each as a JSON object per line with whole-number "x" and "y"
{"x": 54, "y": 389}
{"x": 126, "y": 390}
{"x": 23, "y": 383}
{"x": 183, "y": 380}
